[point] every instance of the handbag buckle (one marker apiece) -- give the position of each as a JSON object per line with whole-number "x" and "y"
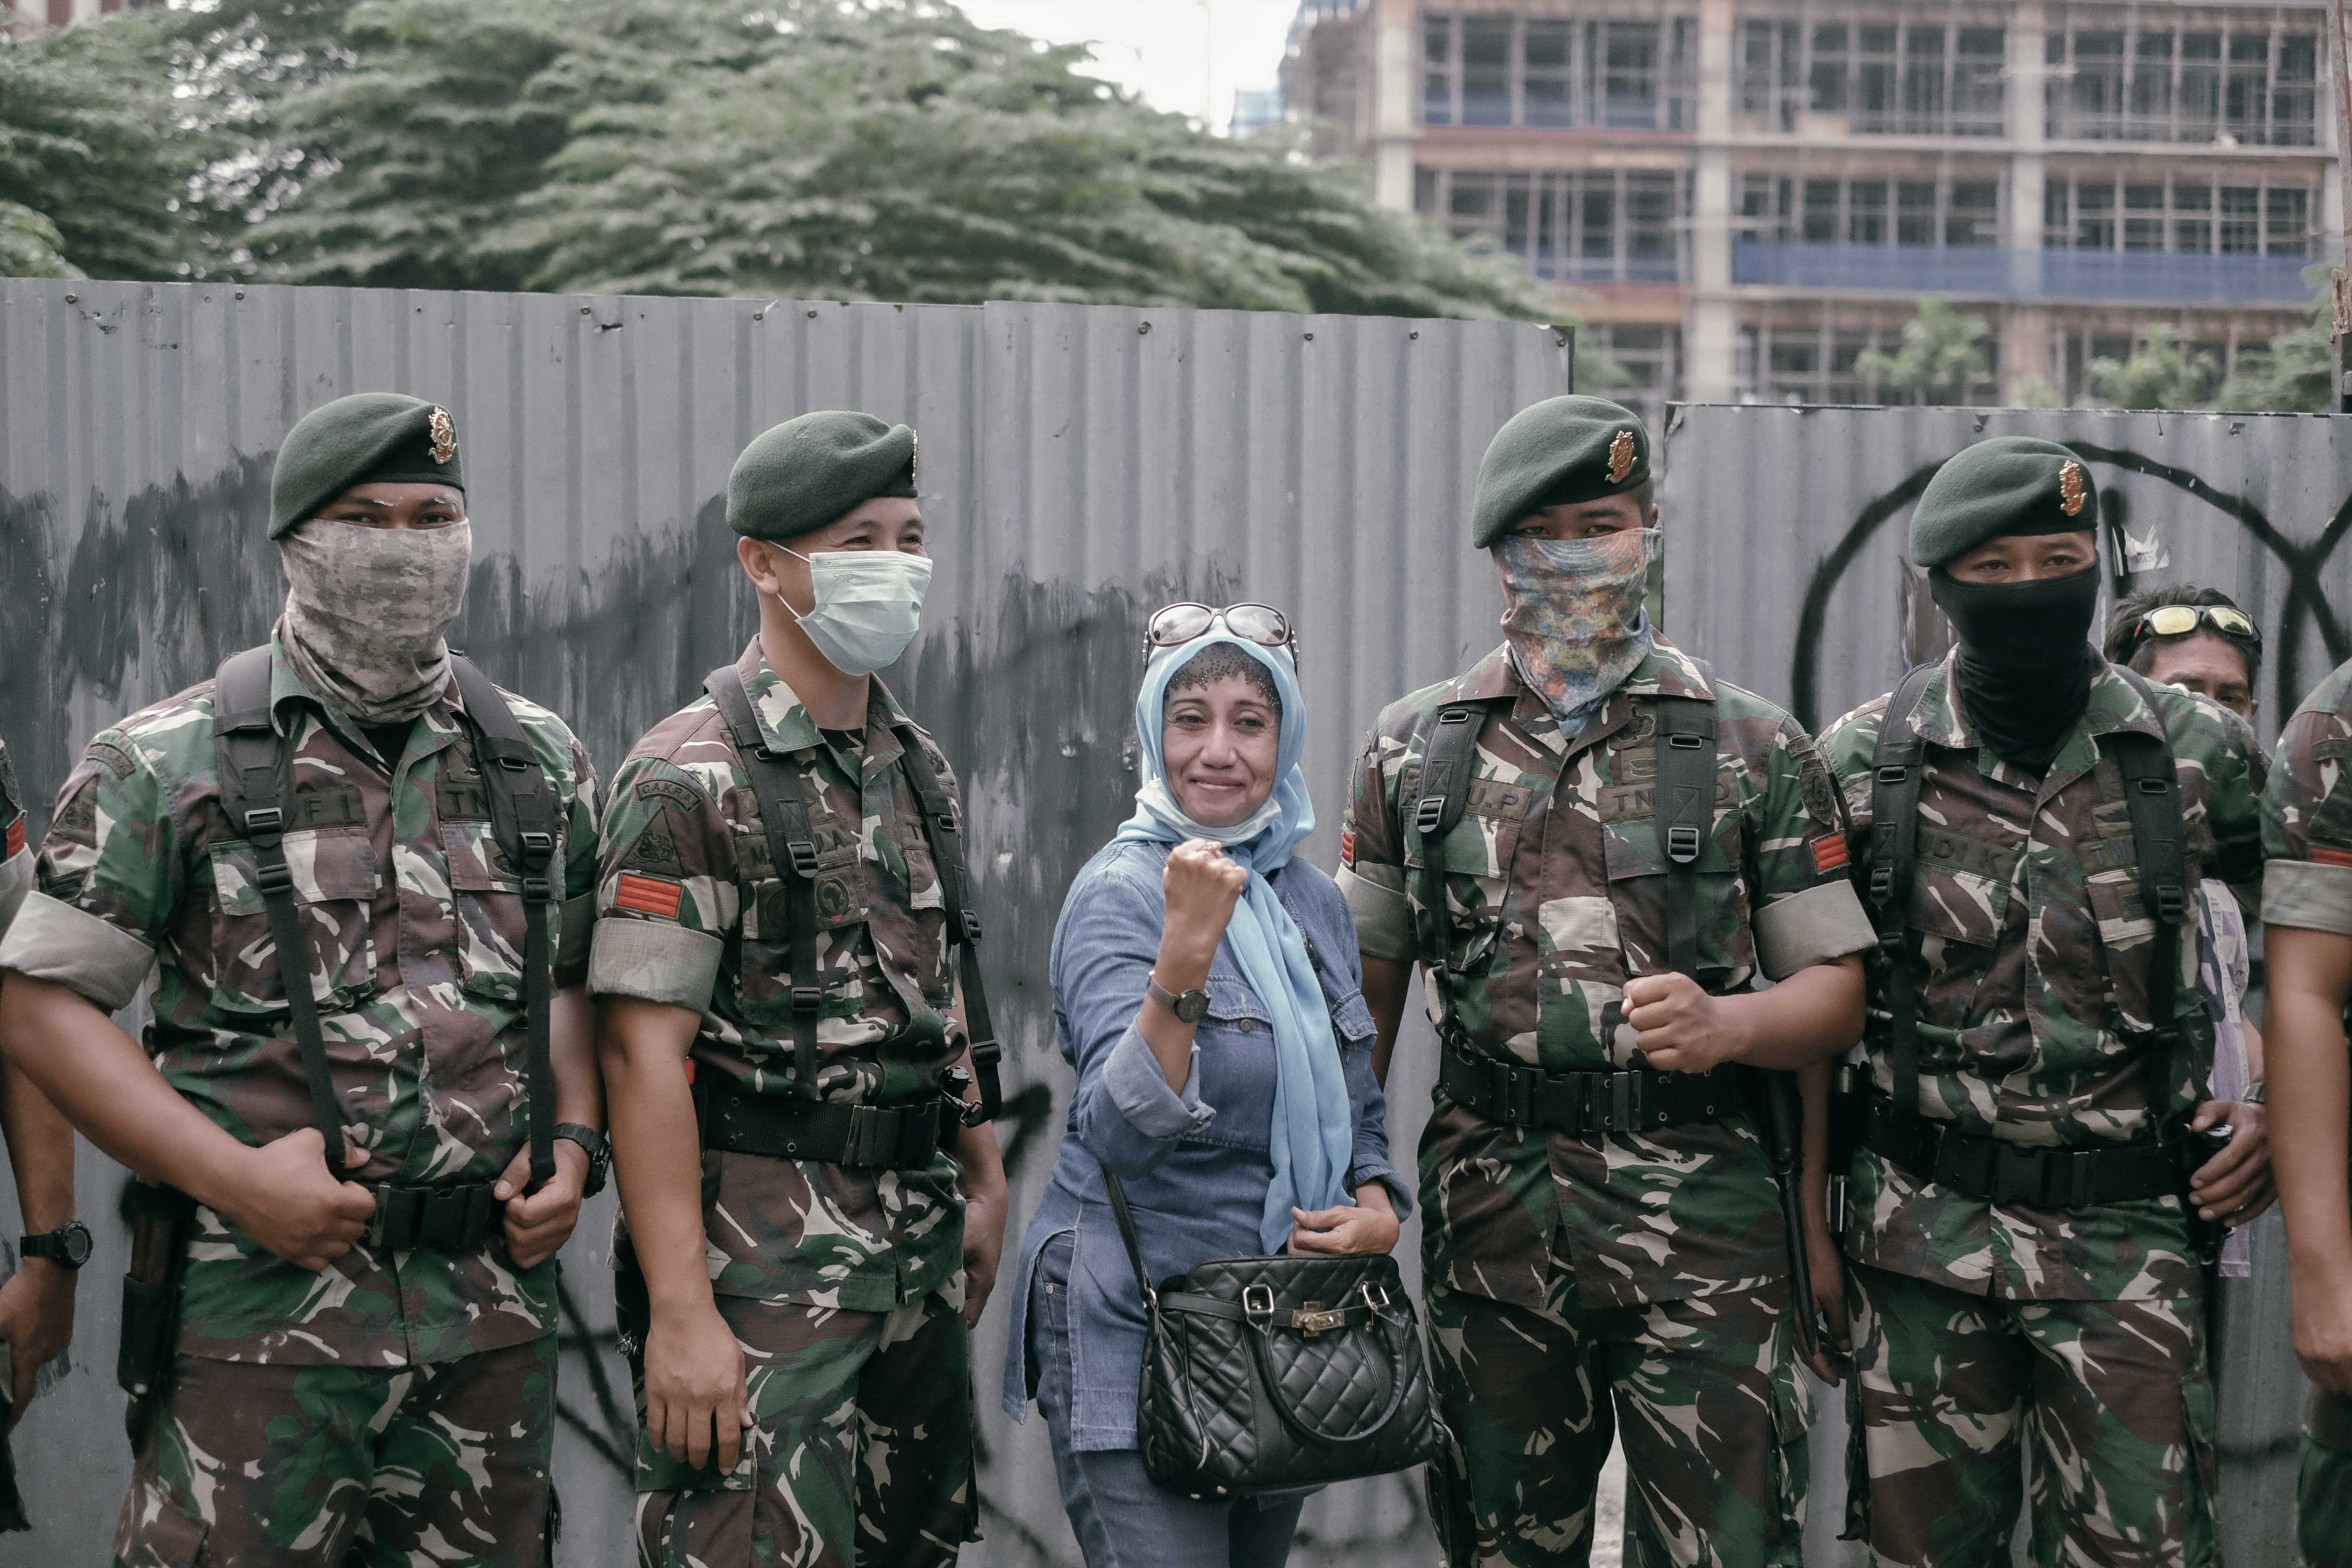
{"x": 1314, "y": 1318}
{"x": 1376, "y": 1296}
{"x": 1257, "y": 1302}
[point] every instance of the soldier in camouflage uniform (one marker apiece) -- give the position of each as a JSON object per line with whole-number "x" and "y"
{"x": 36, "y": 1303}
{"x": 335, "y": 1400}
{"x": 1998, "y": 1301}
{"x": 802, "y": 1306}
{"x": 1571, "y": 1263}
{"x": 2307, "y": 923}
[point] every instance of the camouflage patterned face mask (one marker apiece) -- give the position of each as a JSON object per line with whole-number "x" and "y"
{"x": 365, "y": 611}
{"x": 1573, "y": 615}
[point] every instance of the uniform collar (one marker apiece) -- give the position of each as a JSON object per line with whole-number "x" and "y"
{"x": 785, "y": 724}
{"x": 285, "y": 686}
{"x": 1664, "y": 671}
{"x": 2113, "y": 707}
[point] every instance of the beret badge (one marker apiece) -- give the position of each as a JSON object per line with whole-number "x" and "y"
{"x": 1621, "y": 457}
{"x": 2070, "y": 488}
{"x": 443, "y": 431}
{"x": 914, "y": 454}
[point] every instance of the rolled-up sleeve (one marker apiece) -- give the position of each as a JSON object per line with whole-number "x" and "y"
{"x": 108, "y": 876}
{"x": 666, "y": 890}
{"x": 1123, "y": 1111}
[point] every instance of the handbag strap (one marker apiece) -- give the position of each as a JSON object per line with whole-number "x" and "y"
{"x": 1127, "y": 1234}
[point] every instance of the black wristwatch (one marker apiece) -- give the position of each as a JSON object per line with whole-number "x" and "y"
{"x": 597, "y": 1147}
{"x": 1190, "y": 1007}
{"x": 69, "y": 1245}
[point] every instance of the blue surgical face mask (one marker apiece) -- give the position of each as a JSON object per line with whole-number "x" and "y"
{"x": 867, "y": 606}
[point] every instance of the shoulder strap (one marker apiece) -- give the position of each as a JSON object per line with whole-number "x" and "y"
{"x": 946, "y": 839}
{"x": 1448, "y": 763}
{"x": 257, "y": 770}
{"x": 792, "y": 848}
{"x": 1896, "y": 764}
{"x": 2152, "y": 795}
{"x": 1118, "y": 1191}
{"x": 1686, "y": 815}
{"x": 522, "y": 817}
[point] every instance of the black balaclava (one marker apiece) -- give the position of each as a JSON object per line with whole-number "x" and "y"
{"x": 2026, "y": 660}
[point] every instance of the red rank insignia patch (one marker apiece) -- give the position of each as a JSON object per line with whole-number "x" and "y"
{"x": 1348, "y": 848}
{"x": 1829, "y": 854}
{"x": 2330, "y": 857}
{"x": 648, "y": 896}
{"x": 15, "y": 838}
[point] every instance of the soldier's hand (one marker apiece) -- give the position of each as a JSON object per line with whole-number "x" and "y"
{"x": 538, "y": 1223}
{"x": 290, "y": 1206}
{"x": 2235, "y": 1186}
{"x": 1827, "y": 1267}
{"x": 695, "y": 1401}
{"x": 37, "y": 1317}
{"x": 1202, "y": 884}
{"x": 1678, "y": 1026}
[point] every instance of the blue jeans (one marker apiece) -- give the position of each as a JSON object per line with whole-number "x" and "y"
{"x": 1123, "y": 1518}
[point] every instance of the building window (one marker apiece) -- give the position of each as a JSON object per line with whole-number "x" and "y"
{"x": 2188, "y": 211}
{"x": 1880, "y": 77}
{"x": 1579, "y": 226}
{"x": 1869, "y": 211}
{"x": 1519, "y": 70}
{"x": 1820, "y": 362}
{"x": 1651, "y": 359}
{"x": 2247, "y": 82}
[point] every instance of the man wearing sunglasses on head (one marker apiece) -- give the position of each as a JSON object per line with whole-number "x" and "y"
{"x": 2195, "y": 638}
{"x": 1594, "y": 846}
{"x": 813, "y": 1199}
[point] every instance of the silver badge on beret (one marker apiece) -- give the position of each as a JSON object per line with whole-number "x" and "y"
{"x": 443, "y": 431}
{"x": 914, "y": 454}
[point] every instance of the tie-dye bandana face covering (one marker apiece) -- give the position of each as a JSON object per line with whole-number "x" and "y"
{"x": 1572, "y": 612}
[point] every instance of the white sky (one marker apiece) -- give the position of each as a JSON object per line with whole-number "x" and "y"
{"x": 1186, "y": 56}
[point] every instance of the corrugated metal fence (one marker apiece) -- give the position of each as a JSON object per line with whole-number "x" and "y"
{"x": 1079, "y": 465}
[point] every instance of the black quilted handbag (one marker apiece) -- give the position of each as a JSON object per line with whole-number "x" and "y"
{"x": 1263, "y": 1374}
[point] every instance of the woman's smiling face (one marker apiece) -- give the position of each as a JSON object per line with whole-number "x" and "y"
{"x": 1219, "y": 738}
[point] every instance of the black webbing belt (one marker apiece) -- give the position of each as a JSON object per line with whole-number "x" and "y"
{"x": 893, "y": 1137}
{"x": 1586, "y": 1104}
{"x": 1994, "y": 1169}
{"x": 792, "y": 848}
{"x": 457, "y": 1218}
{"x": 257, "y": 770}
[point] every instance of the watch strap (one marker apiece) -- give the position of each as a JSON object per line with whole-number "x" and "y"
{"x": 57, "y": 1245}
{"x": 597, "y": 1146}
{"x": 1190, "y": 1007}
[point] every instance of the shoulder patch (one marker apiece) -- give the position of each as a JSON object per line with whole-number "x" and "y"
{"x": 77, "y": 820}
{"x": 12, "y": 799}
{"x": 656, "y": 850}
{"x": 117, "y": 761}
{"x": 683, "y": 795}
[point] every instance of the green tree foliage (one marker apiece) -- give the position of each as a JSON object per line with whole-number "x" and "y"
{"x": 2160, "y": 373}
{"x": 1943, "y": 352}
{"x": 92, "y": 163}
{"x": 2292, "y": 375}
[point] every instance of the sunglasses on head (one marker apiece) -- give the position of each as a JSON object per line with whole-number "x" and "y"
{"x": 2179, "y": 620}
{"x": 1180, "y": 623}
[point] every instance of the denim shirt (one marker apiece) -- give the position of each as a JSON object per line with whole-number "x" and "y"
{"x": 1195, "y": 1163}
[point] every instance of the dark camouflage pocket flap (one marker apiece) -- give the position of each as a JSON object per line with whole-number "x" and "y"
{"x": 327, "y": 864}
{"x": 479, "y": 863}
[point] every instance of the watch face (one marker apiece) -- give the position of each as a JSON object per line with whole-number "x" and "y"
{"x": 1192, "y": 1006}
{"x": 79, "y": 1246}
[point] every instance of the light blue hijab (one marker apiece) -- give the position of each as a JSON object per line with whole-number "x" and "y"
{"x": 1313, "y": 1129}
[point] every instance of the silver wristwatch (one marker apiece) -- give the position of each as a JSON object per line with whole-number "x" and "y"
{"x": 1190, "y": 1007}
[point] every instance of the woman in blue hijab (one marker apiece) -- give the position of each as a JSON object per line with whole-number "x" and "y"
{"x": 1206, "y": 988}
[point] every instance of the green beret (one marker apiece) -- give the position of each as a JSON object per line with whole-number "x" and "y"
{"x": 2010, "y": 484}
{"x": 1555, "y": 453}
{"x": 813, "y": 471}
{"x": 369, "y": 437}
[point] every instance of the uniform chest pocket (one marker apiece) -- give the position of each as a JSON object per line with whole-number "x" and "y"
{"x": 1960, "y": 888}
{"x": 2127, "y": 929}
{"x": 486, "y": 898}
{"x": 335, "y": 876}
{"x": 765, "y": 978}
{"x": 1477, "y": 859}
{"x": 1636, "y": 860}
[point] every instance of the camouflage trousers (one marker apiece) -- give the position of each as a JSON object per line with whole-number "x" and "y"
{"x": 862, "y": 1454}
{"x": 348, "y": 1467}
{"x": 1705, "y": 1393}
{"x": 2323, "y": 1491}
{"x": 2114, "y": 1398}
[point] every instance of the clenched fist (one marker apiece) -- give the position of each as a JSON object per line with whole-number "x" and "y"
{"x": 1678, "y": 1026}
{"x": 1202, "y": 884}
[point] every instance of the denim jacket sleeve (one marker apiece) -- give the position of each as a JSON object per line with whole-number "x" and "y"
{"x": 1123, "y": 1111}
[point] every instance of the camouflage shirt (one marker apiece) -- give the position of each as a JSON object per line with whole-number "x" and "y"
{"x": 693, "y": 915}
{"x": 1555, "y": 898}
{"x": 15, "y": 855}
{"x": 414, "y": 918}
{"x": 2032, "y": 949}
{"x": 2307, "y": 814}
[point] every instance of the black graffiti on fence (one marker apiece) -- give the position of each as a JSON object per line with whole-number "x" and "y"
{"x": 2305, "y": 601}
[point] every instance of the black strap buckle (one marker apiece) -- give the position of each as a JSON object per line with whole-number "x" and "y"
{"x": 1427, "y": 813}
{"x": 808, "y": 998}
{"x": 264, "y": 822}
{"x": 1683, "y": 741}
{"x": 2172, "y": 903}
{"x": 1681, "y": 841}
{"x": 1881, "y": 884}
{"x": 274, "y": 877}
{"x": 537, "y": 848}
{"x": 804, "y": 853}
{"x": 1624, "y": 1100}
{"x": 1894, "y": 773}
{"x": 971, "y": 925}
{"x": 944, "y": 820}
